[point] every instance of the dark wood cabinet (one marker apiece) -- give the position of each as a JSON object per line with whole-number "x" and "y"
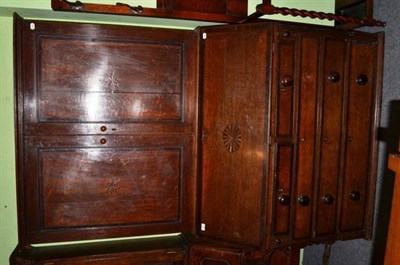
{"x": 260, "y": 138}
{"x": 106, "y": 132}
{"x": 286, "y": 113}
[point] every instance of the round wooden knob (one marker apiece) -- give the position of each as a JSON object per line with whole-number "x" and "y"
{"x": 355, "y": 195}
{"x": 362, "y": 80}
{"x": 103, "y": 141}
{"x": 328, "y": 199}
{"x": 334, "y": 77}
{"x": 304, "y": 200}
{"x": 103, "y": 128}
{"x": 287, "y": 80}
{"x": 284, "y": 200}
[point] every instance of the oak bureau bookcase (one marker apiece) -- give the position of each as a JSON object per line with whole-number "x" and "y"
{"x": 246, "y": 141}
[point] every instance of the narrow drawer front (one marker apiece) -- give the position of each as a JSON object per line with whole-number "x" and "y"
{"x": 332, "y": 108}
{"x": 307, "y": 123}
{"x": 285, "y": 81}
{"x": 283, "y": 183}
{"x": 358, "y": 135}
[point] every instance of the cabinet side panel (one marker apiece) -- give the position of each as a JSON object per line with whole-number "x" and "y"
{"x": 234, "y": 100}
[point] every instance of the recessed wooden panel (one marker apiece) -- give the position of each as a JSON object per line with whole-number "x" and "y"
{"x": 99, "y": 80}
{"x": 83, "y": 187}
{"x": 234, "y": 133}
{"x": 96, "y": 186}
{"x": 359, "y": 117}
{"x": 332, "y": 107}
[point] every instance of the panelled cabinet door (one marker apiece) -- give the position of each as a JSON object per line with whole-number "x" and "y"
{"x": 234, "y": 127}
{"x": 325, "y": 98}
{"x": 121, "y": 184}
{"x": 106, "y": 130}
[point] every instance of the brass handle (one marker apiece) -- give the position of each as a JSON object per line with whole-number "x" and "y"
{"x": 103, "y": 128}
{"x": 103, "y": 141}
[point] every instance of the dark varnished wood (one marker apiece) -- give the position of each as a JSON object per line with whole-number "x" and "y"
{"x": 234, "y": 8}
{"x": 234, "y": 96}
{"x": 227, "y": 11}
{"x": 114, "y": 141}
{"x": 206, "y": 255}
{"x": 307, "y": 111}
{"x": 108, "y": 121}
{"x": 334, "y": 57}
{"x": 160, "y": 250}
{"x": 308, "y": 154}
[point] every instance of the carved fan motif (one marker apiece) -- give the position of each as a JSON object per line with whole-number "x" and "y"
{"x": 232, "y": 138}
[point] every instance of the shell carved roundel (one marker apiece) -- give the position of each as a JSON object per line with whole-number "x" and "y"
{"x": 232, "y": 138}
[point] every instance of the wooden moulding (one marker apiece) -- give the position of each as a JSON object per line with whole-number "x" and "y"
{"x": 167, "y": 249}
{"x": 263, "y": 9}
{"x": 125, "y": 9}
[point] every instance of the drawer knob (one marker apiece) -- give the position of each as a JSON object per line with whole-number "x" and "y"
{"x": 284, "y": 200}
{"x": 103, "y": 141}
{"x": 334, "y": 77}
{"x": 287, "y": 80}
{"x": 328, "y": 199}
{"x": 362, "y": 80}
{"x": 304, "y": 200}
{"x": 355, "y": 195}
{"x": 103, "y": 128}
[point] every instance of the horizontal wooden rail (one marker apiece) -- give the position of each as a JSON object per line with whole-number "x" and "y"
{"x": 263, "y": 9}
{"x": 268, "y": 9}
{"x": 125, "y": 9}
